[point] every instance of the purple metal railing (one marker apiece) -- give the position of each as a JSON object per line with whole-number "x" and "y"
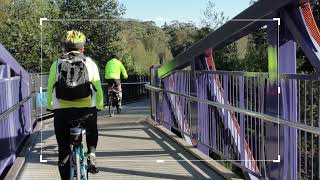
{"x": 308, "y": 113}
{"x": 133, "y": 89}
{"x": 180, "y": 104}
{"x": 15, "y": 126}
{"x": 241, "y": 137}
{"x": 15, "y": 108}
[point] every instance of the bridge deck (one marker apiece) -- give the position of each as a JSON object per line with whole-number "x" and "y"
{"x": 128, "y": 148}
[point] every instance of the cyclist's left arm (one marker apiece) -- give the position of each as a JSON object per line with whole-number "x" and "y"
{"x": 51, "y": 82}
{"x": 123, "y": 71}
{"x": 97, "y": 84}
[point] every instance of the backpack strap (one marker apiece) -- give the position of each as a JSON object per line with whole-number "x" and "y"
{"x": 94, "y": 88}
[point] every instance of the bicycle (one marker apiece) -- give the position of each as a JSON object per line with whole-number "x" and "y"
{"x": 113, "y": 100}
{"x": 78, "y": 165}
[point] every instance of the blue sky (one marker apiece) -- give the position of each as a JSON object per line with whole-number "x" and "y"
{"x": 182, "y": 10}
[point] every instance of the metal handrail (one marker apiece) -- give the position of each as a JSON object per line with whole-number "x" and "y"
{"x": 16, "y": 106}
{"x": 132, "y": 83}
{"x": 258, "y": 115}
{"x": 128, "y": 83}
{"x": 314, "y": 76}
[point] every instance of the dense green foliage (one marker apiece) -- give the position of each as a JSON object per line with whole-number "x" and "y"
{"x": 143, "y": 44}
{"x": 20, "y": 31}
{"x": 140, "y": 44}
{"x": 102, "y": 34}
{"x": 181, "y": 36}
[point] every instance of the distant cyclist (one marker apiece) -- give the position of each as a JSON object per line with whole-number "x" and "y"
{"x": 113, "y": 70}
{"x": 74, "y": 92}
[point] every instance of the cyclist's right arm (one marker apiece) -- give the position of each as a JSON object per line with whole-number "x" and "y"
{"x": 106, "y": 71}
{"x": 51, "y": 82}
{"x": 123, "y": 71}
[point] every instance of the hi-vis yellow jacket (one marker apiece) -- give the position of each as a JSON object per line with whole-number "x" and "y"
{"x": 113, "y": 69}
{"x": 95, "y": 100}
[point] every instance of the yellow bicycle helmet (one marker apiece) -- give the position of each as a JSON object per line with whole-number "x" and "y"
{"x": 74, "y": 40}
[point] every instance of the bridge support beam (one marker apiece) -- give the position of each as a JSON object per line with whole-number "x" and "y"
{"x": 273, "y": 133}
{"x": 281, "y": 102}
{"x": 288, "y": 110}
{"x": 155, "y": 98}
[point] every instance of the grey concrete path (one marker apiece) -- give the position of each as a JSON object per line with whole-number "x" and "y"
{"x": 128, "y": 148}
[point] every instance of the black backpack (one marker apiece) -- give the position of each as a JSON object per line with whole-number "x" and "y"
{"x": 73, "y": 78}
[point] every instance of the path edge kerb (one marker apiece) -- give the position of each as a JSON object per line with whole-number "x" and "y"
{"x": 220, "y": 169}
{"x": 18, "y": 164}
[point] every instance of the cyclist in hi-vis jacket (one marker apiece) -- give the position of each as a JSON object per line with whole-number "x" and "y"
{"x": 113, "y": 70}
{"x": 74, "y": 92}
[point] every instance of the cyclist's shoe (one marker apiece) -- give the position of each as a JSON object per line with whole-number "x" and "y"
{"x": 119, "y": 105}
{"x": 92, "y": 168}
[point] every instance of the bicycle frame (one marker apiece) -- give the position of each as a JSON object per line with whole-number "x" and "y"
{"x": 78, "y": 166}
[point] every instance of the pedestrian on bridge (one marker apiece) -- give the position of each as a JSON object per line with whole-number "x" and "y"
{"x": 74, "y": 93}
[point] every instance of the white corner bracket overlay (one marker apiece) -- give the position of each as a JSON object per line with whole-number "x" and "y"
{"x": 42, "y": 19}
{"x": 277, "y": 19}
{"x": 42, "y": 160}
{"x": 278, "y": 160}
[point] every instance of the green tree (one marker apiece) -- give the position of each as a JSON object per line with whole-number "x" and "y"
{"x": 103, "y": 33}
{"x": 4, "y": 4}
{"x": 143, "y": 44}
{"x": 256, "y": 58}
{"x": 181, "y": 36}
{"x": 20, "y": 32}
{"x": 226, "y": 58}
{"x": 212, "y": 17}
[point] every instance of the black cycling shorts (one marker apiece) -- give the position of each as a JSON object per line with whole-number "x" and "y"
{"x": 115, "y": 82}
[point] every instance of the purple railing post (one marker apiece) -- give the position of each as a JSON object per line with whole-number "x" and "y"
{"x": 200, "y": 86}
{"x": 242, "y": 128}
{"x": 274, "y": 133}
{"x": 2, "y": 71}
{"x": 225, "y": 112}
{"x": 287, "y": 64}
{"x": 155, "y": 99}
{"x": 7, "y": 72}
{"x": 203, "y": 112}
{"x": 193, "y": 104}
{"x": 159, "y": 96}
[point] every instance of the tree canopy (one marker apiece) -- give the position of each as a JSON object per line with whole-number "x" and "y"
{"x": 140, "y": 44}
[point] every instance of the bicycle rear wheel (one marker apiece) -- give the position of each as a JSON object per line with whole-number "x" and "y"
{"x": 82, "y": 172}
{"x": 110, "y": 102}
{"x": 78, "y": 166}
{"x": 71, "y": 165}
{"x": 74, "y": 162}
{"x": 77, "y": 171}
